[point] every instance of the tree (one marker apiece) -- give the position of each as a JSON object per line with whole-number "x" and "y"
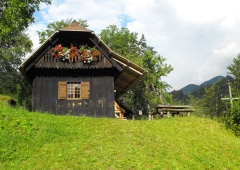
{"x": 126, "y": 43}
{"x": 233, "y": 117}
{"x": 151, "y": 88}
{"x": 208, "y": 101}
{"x": 10, "y": 59}
{"x": 178, "y": 96}
{"x": 15, "y": 17}
{"x": 53, "y": 26}
{"x": 234, "y": 69}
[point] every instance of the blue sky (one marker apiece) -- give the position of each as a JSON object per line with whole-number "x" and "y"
{"x": 199, "y": 38}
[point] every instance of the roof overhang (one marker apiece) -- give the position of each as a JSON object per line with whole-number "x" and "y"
{"x": 130, "y": 74}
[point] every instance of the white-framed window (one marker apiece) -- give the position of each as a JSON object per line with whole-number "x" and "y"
{"x": 73, "y": 90}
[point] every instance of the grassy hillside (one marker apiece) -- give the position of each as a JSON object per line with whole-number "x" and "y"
{"x": 44, "y": 141}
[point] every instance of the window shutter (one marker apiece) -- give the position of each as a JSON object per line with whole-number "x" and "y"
{"x": 84, "y": 90}
{"x": 62, "y": 90}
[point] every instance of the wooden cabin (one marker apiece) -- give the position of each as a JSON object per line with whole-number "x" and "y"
{"x": 74, "y": 72}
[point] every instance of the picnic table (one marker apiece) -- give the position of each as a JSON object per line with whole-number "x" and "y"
{"x": 170, "y": 109}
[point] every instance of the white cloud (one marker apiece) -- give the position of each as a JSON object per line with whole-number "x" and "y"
{"x": 32, "y": 31}
{"x": 199, "y": 38}
{"x": 205, "y": 10}
{"x": 230, "y": 49}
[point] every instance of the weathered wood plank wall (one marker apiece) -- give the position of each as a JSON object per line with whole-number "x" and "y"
{"x": 99, "y": 104}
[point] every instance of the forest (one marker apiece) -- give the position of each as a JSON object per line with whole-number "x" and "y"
{"x": 15, "y": 45}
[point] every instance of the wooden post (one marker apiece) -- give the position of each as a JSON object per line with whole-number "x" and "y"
{"x": 149, "y": 116}
{"x": 161, "y": 114}
{"x": 168, "y": 114}
{"x": 230, "y": 95}
{"x": 133, "y": 117}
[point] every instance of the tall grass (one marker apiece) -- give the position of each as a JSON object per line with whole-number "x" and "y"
{"x": 45, "y": 141}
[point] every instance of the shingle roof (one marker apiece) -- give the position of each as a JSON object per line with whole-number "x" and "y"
{"x": 74, "y": 26}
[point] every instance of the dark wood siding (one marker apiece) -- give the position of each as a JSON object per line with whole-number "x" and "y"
{"x": 99, "y": 104}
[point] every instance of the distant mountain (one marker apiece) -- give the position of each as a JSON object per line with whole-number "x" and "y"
{"x": 198, "y": 91}
{"x": 189, "y": 88}
{"x": 193, "y": 87}
{"x": 212, "y": 81}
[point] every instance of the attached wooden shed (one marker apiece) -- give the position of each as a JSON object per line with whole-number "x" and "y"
{"x": 75, "y": 72}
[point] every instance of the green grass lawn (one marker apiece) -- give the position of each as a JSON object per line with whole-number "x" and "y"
{"x": 30, "y": 140}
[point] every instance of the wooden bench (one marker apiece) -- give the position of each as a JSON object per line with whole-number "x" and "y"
{"x": 170, "y": 109}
